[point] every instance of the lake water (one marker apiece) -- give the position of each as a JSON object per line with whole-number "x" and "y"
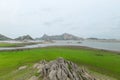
{"x": 115, "y": 46}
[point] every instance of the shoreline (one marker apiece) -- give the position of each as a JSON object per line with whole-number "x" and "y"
{"x": 66, "y": 46}
{"x": 113, "y": 47}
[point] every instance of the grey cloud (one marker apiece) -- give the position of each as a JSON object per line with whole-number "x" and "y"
{"x": 54, "y": 21}
{"x": 97, "y": 18}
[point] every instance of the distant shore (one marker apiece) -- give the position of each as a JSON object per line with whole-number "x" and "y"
{"x": 67, "y": 46}
{"x": 93, "y": 44}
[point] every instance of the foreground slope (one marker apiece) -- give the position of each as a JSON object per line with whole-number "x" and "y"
{"x": 101, "y": 61}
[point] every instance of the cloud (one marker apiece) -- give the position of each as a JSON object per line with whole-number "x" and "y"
{"x": 97, "y": 18}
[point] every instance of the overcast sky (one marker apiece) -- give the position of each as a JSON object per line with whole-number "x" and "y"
{"x": 85, "y": 18}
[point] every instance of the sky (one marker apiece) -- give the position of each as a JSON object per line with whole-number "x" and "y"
{"x": 84, "y": 18}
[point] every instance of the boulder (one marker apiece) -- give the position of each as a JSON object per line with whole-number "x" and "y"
{"x": 61, "y": 69}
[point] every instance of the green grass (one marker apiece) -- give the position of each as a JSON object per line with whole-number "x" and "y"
{"x": 5, "y": 44}
{"x": 97, "y": 60}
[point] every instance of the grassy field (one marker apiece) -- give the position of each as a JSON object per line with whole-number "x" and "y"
{"x": 5, "y": 44}
{"x": 105, "y": 62}
{"x": 2, "y": 44}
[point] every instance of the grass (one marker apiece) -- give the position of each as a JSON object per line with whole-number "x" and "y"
{"x": 105, "y": 62}
{"x": 5, "y": 44}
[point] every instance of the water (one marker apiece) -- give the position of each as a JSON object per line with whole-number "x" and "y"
{"x": 114, "y": 46}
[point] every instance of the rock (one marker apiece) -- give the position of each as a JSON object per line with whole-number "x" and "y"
{"x": 61, "y": 69}
{"x": 33, "y": 78}
{"x": 52, "y": 75}
{"x": 36, "y": 65}
{"x": 22, "y": 67}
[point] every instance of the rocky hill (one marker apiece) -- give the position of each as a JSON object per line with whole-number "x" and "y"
{"x": 64, "y": 36}
{"x": 60, "y": 69}
{"x": 2, "y": 37}
{"x": 25, "y": 37}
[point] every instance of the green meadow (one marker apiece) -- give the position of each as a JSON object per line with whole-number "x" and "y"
{"x": 5, "y": 44}
{"x": 101, "y": 61}
{"x": 2, "y": 44}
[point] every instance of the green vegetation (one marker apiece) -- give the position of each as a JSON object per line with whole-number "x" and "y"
{"x": 8, "y": 44}
{"x": 5, "y": 44}
{"x": 97, "y": 60}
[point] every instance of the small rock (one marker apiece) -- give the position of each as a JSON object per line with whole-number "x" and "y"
{"x": 33, "y": 78}
{"x": 22, "y": 67}
{"x": 35, "y": 65}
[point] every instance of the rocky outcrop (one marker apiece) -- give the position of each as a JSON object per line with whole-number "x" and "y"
{"x": 64, "y": 36}
{"x": 24, "y": 38}
{"x": 61, "y": 69}
{"x": 2, "y": 37}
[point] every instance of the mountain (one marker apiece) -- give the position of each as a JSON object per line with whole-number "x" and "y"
{"x": 64, "y": 36}
{"x": 2, "y": 37}
{"x": 92, "y": 39}
{"x": 25, "y": 37}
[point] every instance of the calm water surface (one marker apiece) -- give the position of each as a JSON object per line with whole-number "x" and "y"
{"x": 115, "y": 46}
